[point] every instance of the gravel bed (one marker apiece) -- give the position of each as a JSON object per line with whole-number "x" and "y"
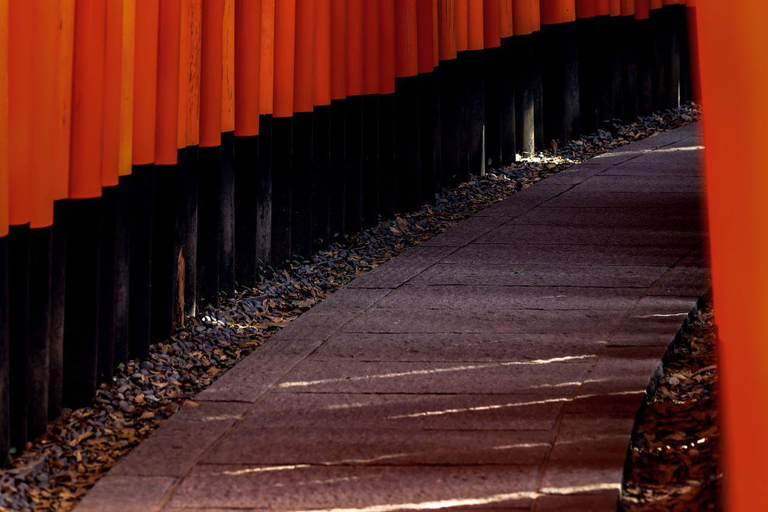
{"x": 56, "y": 470}
{"x": 675, "y": 452}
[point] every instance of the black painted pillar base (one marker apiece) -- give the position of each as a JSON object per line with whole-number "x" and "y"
{"x": 427, "y": 136}
{"x": 123, "y": 224}
{"x": 58, "y": 286}
{"x": 282, "y": 171}
{"x": 525, "y": 107}
{"x": 81, "y": 326}
{"x": 301, "y": 185}
{"x": 209, "y": 226}
{"x": 561, "y": 83}
{"x": 386, "y": 155}
{"x": 407, "y": 145}
{"x": 686, "y": 80}
{"x": 611, "y": 95}
{"x": 264, "y": 191}
{"x": 462, "y": 109}
{"x": 370, "y": 168}
{"x": 338, "y": 167}
{"x": 40, "y": 240}
{"x": 628, "y": 35}
{"x": 644, "y": 51}
{"x": 591, "y": 54}
{"x": 437, "y": 136}
{"x": 141, "y": 260}
{"x": 5, "y": 356}
{"x": 107, "y": 283}
{"x": 507, "y": 75}
{"x": 164, "y": 253}
{"x": 353, "y": 151}
{"x": 18, "y": 311}
{"x": 489, "y": 112}
{"x": 671, "y": 17}
{"x": 227, "y": 214}
{"x": 321, "y": 177}
{"x": 449, "y": 76}
{"x": 661, "y": 62}
{"x": 246, "y": 208}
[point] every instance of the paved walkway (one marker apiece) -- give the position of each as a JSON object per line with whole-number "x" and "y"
{"x": 498, "y": 366}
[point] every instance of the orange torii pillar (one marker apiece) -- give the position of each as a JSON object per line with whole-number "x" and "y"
{"x": 5, "y": 395}
{"x": 628, "y": 43}
{"x": 667, "y": 53}
{"x": 321, "y": 129}
{"x": 429, "y": 120}
{"x": 387, "y": 127}
{"x": 60, "y": 196}
{"x": 449, "y": 77}
{"x": 370, "y": 169}
{"x": 110, "y": 177}
{"x": 165, "y": 245}
{"x": 211, "y": 87}
{"x": 282, "y": 123}
{"x": 85, "y": 182}
{"x": 145, "y": 101}
{"x": 227, "y": 169}
{"x": 31, "y": 48}
{"x": 561, "y": 72}
{"x": 471, "y": 57}
{"x": 644, "y": 51}
{"x": 188, "y": 173}
{"x": 491, "y": 41}
{"x": 528, "y": 108}
{"x": 266, "y": 109}
{"x": 338, "y": 116}
{"x": 732, "y": 42}
{"x": 247, "y": 92}
{"x": 303, "y": 107}
{"x": 507, "y": 76}
{"x": 353, "y": 134}
{"x": 611, "y": 104}
{"x": 592, "y": 46}
{"x": 407, "y": 135}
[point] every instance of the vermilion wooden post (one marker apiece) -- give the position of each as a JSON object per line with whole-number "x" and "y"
{"x": 109, "y": 182}
{"x": 644, "y": 51}
{"x": 211, "y": 95}
{"x": 144, "y": 123}
{"x": 428, "y": 122}
{"x": 5, "y": 397}
{"x": 338, "y": 116}
{"x": 591, "y": 43}
{"x": 304, "y": 103}
{"x": 561, "y": 72}
{"x": 449, "y": 80}
{"x": 123, "y": 215}
{"x": 477, "y": 128}
{"x": 227, "y": 171}
{"x": 528, "y": 113}
{"x": 370, "y": 169}
{"x": 282, "y": 156}
{"x": 266, "y": 101}
{"x": 407, "y": 136}
{"x": 165, "y": 245}
{"x": 60, "y": 194}
{"x": 492, "y": 107}
{"x": 354, "y": 117}
{"x": 387, "y": 107}
{"x": 321, "y": 148}
{"x": 732, "y": 39}
{"x": 507, "y": 76}
{"x": 247, "y": 92}
{"x": 82, "y": 287}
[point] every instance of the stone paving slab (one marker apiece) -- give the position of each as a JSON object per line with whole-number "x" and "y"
{"x": 498, "y": 366}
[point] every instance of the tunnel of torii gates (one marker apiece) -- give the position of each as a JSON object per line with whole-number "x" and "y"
{"x": 153, "y": 152}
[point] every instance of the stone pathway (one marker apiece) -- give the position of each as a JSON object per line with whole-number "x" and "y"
{"x": 498, "y": 366}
